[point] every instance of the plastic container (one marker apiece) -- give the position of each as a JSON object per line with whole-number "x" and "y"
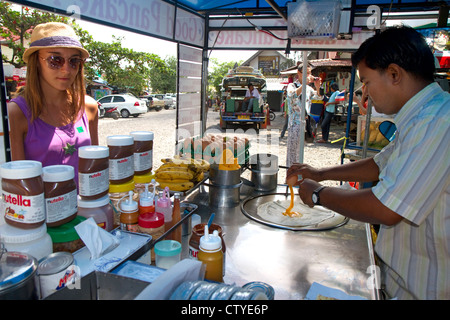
{"x": 121, "y": 160}
{"x": 23, "y": 194}
{"x": 211, "y": 254}
{"x": 147, "y": 201}
{"x": 168, "y": 253}
{"x": 176, "y": 217}
{"x": 164, "y": 206}
{"x": 35, "y": 242}
{"x": 197, "y": 232}
{"x": 93, "y": 172}
{"x": 143, "y": 152}
{"x": 101, "y": 210}
{"x": 117, "y": 192}
{"x": 152, "y": 224}
{"x": 129, "y": 213}
{"x": 65, "y": 237}
{"x": 60, "y": 194}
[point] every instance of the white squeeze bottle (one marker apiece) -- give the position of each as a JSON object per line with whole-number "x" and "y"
{"x": 164, "y": 206}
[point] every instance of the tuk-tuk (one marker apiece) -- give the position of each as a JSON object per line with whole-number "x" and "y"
{"x": 234, "y": 86}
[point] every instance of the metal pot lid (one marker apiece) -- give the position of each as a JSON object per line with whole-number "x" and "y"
{"x": 15, "y": 267}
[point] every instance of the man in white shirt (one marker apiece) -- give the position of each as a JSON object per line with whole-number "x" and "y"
{"x": 251, "y": 94}
{"x": 410, "y": 200}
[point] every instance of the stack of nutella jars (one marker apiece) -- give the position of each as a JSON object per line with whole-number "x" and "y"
{"x": 130, "y": 165}
{"x": 37, "y": 203}
{"x": 40, "y": 204}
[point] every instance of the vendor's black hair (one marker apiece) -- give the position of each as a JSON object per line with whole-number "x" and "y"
{"x": 401, "y": 45}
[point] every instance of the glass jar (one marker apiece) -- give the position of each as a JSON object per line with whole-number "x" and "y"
{"x": 65, "y": 237}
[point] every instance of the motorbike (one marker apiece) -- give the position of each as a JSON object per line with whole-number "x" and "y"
{"x": 108, "y": 112}
{"x": 271, "y": 115}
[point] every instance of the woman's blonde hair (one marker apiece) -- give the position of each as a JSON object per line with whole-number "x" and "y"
{"x": 33, "y": 91}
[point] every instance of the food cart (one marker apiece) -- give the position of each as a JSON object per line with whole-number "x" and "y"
{"x": 338, "y": 256}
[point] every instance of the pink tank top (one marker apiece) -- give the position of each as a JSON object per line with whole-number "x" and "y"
{"x": 54, "y": 145}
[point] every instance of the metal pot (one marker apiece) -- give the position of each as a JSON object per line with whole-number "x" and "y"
{"x": 264, "y": 168}
{"x": 223, "y": 177}
{"x": 264, "y": 162}
{"x": 264, "y": 181}
{"x": 224, "y": 196}
{"x": 18, "y": 279}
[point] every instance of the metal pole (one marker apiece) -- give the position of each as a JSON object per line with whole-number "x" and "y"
{"x": 303, "y": 106}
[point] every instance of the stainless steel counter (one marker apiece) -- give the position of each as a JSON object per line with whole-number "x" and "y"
{"x": 290, "y": 261}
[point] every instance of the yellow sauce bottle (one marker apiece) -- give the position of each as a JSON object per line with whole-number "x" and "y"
{"x": 210, "y": 253}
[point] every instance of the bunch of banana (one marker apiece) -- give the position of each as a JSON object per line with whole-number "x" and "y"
{"x": 180, "y": 174}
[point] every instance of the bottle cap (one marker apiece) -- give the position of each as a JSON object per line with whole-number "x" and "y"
{"x": 164, "y": 201}
{"x": 146, "y": 198}
{"x": 151, "y": 220}
{"x": 210, "y": 241}
{"x": 128, "y": 204}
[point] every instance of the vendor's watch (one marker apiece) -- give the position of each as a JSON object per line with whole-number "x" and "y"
{"x": 315, "y": 195}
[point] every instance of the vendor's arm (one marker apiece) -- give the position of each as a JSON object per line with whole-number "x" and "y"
{"x": 364, "y": 170}
{"x": 92, "y": 114}
{"x": 361, "y": 205}
{"x": 18, "y": 128}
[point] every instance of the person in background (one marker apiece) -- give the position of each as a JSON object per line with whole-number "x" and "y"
{"x": 294, "y": 92}
{"x": 410, "y": 200}
{"x": 284, "y": 107}
{"x": 251, "y": 94}
{"x": 328, "y": 114}
{"x": 53, "y": 117}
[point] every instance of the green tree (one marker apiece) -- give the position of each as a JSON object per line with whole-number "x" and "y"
{"x": 164, "y": 80}
{"x": 217, "y": 71}
{"x": 16, "y": 27}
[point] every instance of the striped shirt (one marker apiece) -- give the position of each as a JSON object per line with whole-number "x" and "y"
{"x": 415, "y": 183}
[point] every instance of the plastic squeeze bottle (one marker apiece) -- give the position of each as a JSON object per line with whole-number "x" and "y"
{"x": 164, "y": 206}
{"x": 146, "y": 201}
{"x": 176, "y": 217}
{"x": 129, "y": 213}
{"x": 210, "y": 253}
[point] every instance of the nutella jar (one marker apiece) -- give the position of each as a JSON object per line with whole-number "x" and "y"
{"x": 23, "y": 193}
{"x": 143, "y": 152}
{"x": 121, "y": 163}
{"x": 93, "y": 172}
{"x": 60, "y": 193}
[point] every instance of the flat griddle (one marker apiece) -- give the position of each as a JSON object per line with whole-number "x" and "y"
{"x": 250, "y": 205}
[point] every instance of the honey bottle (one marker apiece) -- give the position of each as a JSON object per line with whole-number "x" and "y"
{"x": 210, "y": 253}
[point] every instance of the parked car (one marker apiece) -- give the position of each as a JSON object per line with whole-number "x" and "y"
{"x": 153, "y": 103}
{"x": 127, "y": 104}
{"x": 168, "y": 102}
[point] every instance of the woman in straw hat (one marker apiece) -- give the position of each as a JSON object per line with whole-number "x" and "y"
{"x": 53, "y": 117}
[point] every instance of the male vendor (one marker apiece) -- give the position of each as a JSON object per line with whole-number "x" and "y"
{"x": 410, "y": 200}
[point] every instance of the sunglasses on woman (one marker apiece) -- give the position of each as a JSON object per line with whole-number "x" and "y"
{"x": 57, "y": 62}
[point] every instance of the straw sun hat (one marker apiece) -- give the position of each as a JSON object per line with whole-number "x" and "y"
{"x": 53, "y": 35}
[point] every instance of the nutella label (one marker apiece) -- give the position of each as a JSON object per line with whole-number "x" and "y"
{"x": 193, "y": 253}
{"x": 121, "y": 168}
{"x": 143, "y": 160}
{"x": 91, "y": 184}
{"x": 61, "y": 207}
{"x": 24, "y": 209}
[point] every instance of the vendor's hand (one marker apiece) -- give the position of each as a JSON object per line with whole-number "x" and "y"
{"x": 299, "y": 171}
{"x": 306, "y": 189}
